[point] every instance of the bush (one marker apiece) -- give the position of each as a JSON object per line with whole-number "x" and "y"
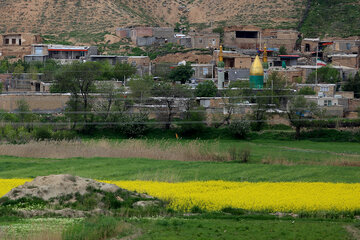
{"x": 197, "y": 118}
{"x": 241, "y": 155}
{"x": 42, "y": 133}
{"x": 134, "y": 125}
{"x": 239, "y": 128}
{"x": 206, "y": 89}
{"x": 63, "y": 135}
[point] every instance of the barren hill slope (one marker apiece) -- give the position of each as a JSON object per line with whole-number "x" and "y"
{"x": 86, "y": 19}
{"x": 56, "y": 16}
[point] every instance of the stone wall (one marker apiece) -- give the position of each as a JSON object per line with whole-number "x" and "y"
{"x": 346, "y": 60}
{"x": 36, "y": 101}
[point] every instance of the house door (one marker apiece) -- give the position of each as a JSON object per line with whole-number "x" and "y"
{"x": 37, "y": 87}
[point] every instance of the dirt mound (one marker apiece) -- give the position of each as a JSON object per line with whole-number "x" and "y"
{"x": 71, "y": 196}
{"x": 56, "y": 186}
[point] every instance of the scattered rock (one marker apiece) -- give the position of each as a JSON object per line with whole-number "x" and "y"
{"x": 281, "y": 214}
{"x": 146, "y": 204}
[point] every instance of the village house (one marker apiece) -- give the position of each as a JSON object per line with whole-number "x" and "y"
{"x": 17, "y": 45}
{"x": 251, "y": 37}
{"x": 62, "y": 53}
{"x": 205, "y": 40}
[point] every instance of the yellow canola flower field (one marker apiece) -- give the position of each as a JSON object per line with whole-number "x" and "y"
{"x": 261, "y": 196}
{"x": 7, "y": 184}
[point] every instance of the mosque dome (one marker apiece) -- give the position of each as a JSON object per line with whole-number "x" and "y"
{"x": 257, "y": 68}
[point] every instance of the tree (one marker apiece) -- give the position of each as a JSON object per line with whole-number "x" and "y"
{"x": 24, "y": 113}
{"x": 78, "y": 79}
{"x": 307, "y": 91}
{"x": 299, "y": 110}
{"x": 206, "y": 89}
{"x": 141, "y": 87}
{"x": 51, "y": 68}
{"x": 282, "y": 50}
{"x": 259, "y": 114}
{"x": 18, "y": 70}
{"x": 182, "y": 73}
{"x": 325, "y": 74}
{"x": 221, "y": 31}
{"x": 123, "y": 71}
{"x": 354, "y": 85}
{"x": 110, "y": 96}
{"x": 172, "y": 96}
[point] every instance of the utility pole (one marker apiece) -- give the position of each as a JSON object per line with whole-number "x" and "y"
{"x": 316, "y": 66}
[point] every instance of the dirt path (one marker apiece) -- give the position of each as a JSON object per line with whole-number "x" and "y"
{"x": 353, "y": 231}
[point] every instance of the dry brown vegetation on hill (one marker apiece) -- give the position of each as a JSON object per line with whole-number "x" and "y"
{"x": 98, "y": 16}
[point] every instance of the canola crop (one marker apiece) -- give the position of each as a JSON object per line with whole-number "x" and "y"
{"x": 7, "y": 184}
{"x": 261, "y": 196}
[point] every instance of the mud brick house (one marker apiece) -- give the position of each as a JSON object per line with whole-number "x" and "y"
{"x": 17, "y": 45}
{"x": 205, "y": 40}
{"x": 251, "y": 37}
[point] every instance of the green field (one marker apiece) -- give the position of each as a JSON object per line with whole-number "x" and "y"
{"x": 174, "y": 171}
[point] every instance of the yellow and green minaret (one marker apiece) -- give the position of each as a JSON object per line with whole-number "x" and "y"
{"x": 257, "y": 74}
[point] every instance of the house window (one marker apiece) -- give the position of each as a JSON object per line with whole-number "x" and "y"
{"x": 327, "y": 102}
{"x": 13, "y": 41}
{"x": 7, "y": 41}
{"x": 307, "y": 47}
{"x": 246, "y": 34}
{"x": 324, "y": 89}
{"x": 20, "y": 42}
{"x": 348, "y": 46}
{"x": 205, "y": 71}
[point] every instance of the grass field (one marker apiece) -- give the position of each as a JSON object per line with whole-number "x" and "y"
{"x": 173, "y": 171}
{"x": 270, "y": 160}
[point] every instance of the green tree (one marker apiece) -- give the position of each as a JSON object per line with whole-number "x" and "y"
{"x": 18, "y": 70}
{"x": 299, "y": 110}
{"x": 354, "y": 85}
{"x": 182, "y": 73}
{"x": 206, "y": 89}
{"x": 51, "y": 68}
{"x": 221, "y": 31}
{"x": 307, "y": 91}
{"x": 282, "y": 50}
{"x": 79, "y": 80}
{"x": 4, "y": 66}
{"x": 325, "y": 74}
{"x": 24, "y": 113}
{"x": 141, "y": 87}
{"x": 123, "y": 71}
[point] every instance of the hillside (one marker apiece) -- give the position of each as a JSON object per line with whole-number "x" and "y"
{"x": 87, "y": 21}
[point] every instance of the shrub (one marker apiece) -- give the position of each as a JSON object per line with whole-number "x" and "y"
{"x": 206, "y": 89}
{"x": 241, "y": 155}
{"x": 42, "y": 133}
{"x": 63, "y": 135}
{"x": 134, "y": 125}
{"x": 197, "y": 118}
{"x": 239, "y": 128}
